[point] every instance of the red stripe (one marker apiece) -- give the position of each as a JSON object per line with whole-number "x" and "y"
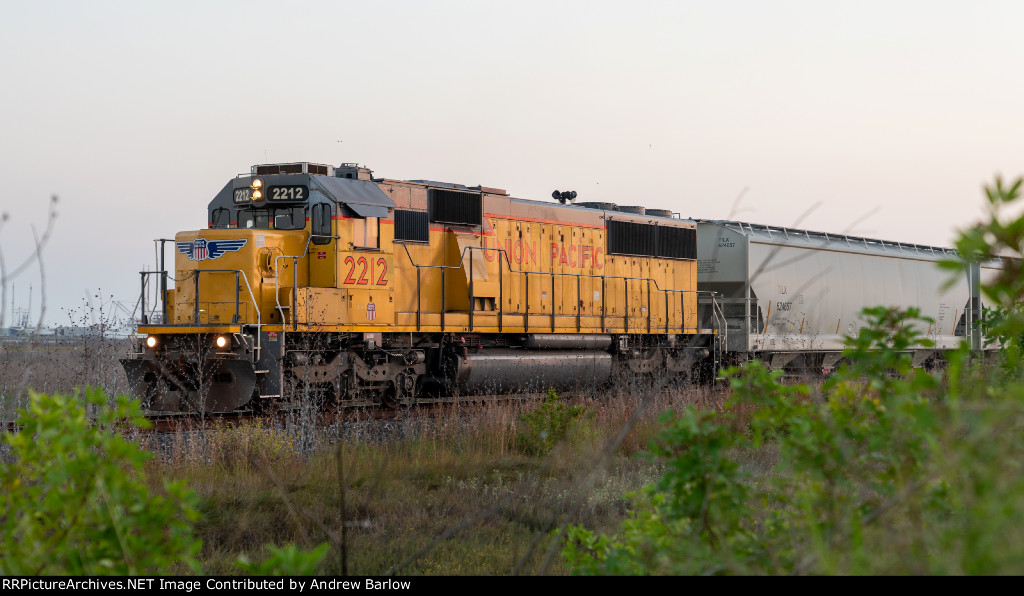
{"x": 548, "y": 221}
{"x": 345, "y": 217}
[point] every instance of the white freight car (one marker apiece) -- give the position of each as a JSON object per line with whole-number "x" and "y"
{"x": 791, "y": 296}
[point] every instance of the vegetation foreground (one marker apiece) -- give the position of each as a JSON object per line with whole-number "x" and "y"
{"x": 881, "y": 469}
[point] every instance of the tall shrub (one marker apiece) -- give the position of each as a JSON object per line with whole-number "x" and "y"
{"x": 75, "y": 498}
{"x": 889, "y": 469}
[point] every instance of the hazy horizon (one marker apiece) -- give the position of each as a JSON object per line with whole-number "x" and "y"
{"x": 879, "y": 119}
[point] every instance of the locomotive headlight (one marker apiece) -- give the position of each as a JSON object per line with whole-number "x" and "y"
{"x": 256, "y": 184}
{"x": 256, "y": 195}
{"x": 151, "y": 341}
{"x": 221, "y": 341}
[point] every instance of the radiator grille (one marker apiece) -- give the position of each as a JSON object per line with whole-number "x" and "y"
{"x": 455, "y": 207}
{"x": 630, "y": 238}
{"x": 677, "y": 243}
{"x": 412, "y": 226}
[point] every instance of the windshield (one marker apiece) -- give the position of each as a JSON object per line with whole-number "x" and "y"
{"x": 283, "y": 218}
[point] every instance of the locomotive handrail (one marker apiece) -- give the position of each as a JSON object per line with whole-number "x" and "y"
{"x": 191, "y": 275}
{"x": 163, "y": 281}
{"x": 295, "y": 279}
{"x": 195, "y": 299}
{"x": 720, "y": 324}
{"x": 527, "y": 274}
{"x": 259, "y": 324}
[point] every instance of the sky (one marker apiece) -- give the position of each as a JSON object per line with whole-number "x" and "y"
{"x": 879, "y": 119}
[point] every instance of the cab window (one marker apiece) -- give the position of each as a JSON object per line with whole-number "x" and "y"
{"x": 220, "y": 218}
{"x": 321, "y": 220}
{"x": 364, "y": 233}
{"x": 290, "y": 218}
{"x": 284, "y": 218}
{"x": 254, "y": 219}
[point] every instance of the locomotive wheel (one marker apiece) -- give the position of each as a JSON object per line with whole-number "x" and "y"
{"x": 402, "y": 392}
{"x": 389, "y": 400}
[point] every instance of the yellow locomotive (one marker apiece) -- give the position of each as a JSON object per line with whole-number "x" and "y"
{"x": 315, "y": 280}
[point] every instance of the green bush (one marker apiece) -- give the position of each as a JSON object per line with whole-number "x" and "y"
{"x": 888, "y": 469}
{"x": 76, "y": 501}
{"x": 548, "y": 425}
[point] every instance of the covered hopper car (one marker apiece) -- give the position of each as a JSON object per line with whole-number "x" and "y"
{"x": 790, "y": 296}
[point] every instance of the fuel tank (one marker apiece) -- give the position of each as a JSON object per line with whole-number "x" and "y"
{"x": 507, "y": 370}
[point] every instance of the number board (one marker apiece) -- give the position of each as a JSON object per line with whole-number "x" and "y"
{"x": 242, "y": 195}
{"x": 288, "y": 193}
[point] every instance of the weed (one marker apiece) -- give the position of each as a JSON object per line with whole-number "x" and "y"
{"x": 548, "y": 425}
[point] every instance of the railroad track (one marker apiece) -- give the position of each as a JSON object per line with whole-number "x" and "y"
{"x": 184, "y": 421}
{"x": 339, "y": 413}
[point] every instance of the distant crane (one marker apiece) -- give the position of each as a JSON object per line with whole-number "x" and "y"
{"x": 20, "y": 316}
{"x": 114, "y": 314}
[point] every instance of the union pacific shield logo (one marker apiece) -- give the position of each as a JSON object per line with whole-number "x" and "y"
{"x": 371, "y": 311}
{"x": 202, "y": 249}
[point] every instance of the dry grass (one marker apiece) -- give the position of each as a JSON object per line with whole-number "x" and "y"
{"x": 59, "y": 366}
{"x": 445, "y": 494}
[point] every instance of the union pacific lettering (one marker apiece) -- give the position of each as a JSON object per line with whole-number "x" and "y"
{"x": 518, "y": 252}
{"x": 579, "y": 256}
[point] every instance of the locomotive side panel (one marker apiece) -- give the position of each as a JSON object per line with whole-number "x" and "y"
{"x": 365, "y": 272}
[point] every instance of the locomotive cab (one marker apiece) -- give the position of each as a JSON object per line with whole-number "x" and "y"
{"x": 216, "y": 341}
